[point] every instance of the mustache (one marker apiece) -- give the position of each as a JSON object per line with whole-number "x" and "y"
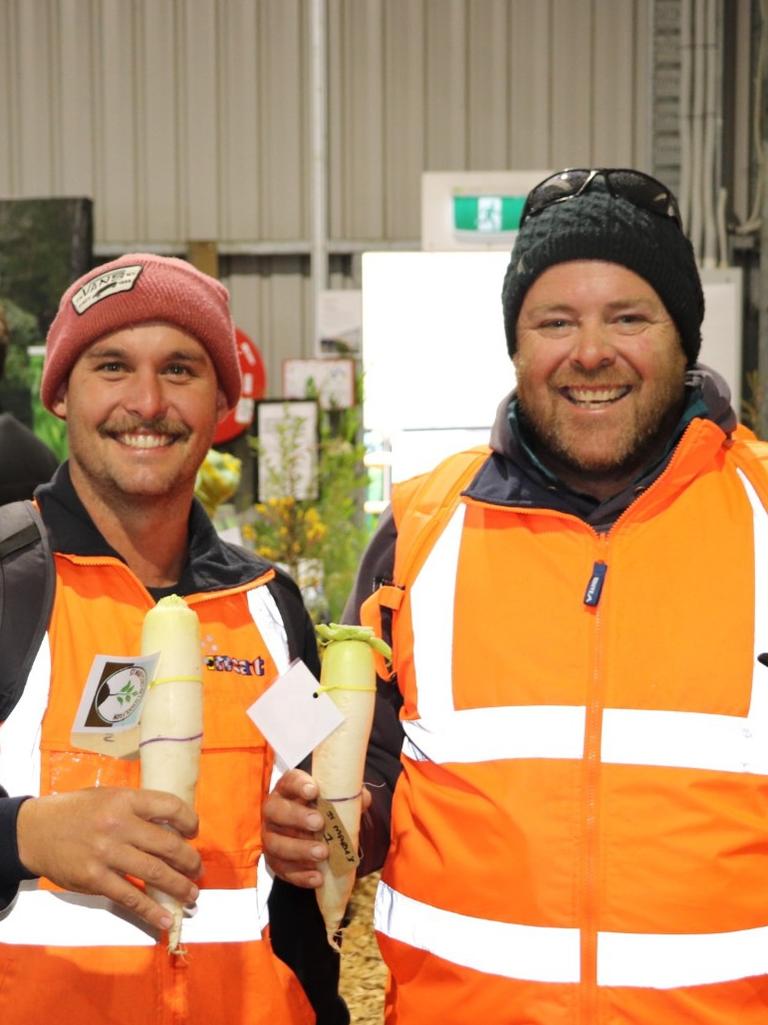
{"x": 156, "y": 425}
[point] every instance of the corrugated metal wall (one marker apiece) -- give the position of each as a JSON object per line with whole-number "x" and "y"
{"x": 189, "y": 119}
{"x": 476, "y": 85}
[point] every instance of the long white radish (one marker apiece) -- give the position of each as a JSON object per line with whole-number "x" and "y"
{"x": 171, "y": 726}
{"x": 348, "y": 675}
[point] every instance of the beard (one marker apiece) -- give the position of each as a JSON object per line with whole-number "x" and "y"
{"x": 599, "y": 454}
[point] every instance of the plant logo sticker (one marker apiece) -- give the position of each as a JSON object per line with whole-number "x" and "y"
{"x": 114, "y": 693}
{"x": 119, "y": 694}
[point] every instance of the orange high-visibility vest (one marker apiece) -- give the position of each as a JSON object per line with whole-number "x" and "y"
{"x": 76, "y": 959}
{"x": 580, "y": 829}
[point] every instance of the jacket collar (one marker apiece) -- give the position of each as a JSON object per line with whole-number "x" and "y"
{"x": 513, "y": 476}
{"x": 211, "y": 563}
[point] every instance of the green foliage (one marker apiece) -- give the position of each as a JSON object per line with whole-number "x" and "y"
{"x": 44, "y": 245}
{"x": 23, "y": 371}
{"x": 328, "y": 531}
{"x": 217, "y": 480}
{"x": 342, "y": 479}
{"x": 46, "y": 426}
{"x": 23, "y": 332}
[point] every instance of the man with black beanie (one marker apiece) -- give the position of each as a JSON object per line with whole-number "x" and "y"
{"x": 570, "y": 754}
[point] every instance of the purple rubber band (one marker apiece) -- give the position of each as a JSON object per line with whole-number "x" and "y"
{"x": 338, "y": 800}
{"x": 175, "y": 740}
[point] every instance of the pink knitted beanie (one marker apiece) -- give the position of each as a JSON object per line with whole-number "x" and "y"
{"x": 135, "y": 289}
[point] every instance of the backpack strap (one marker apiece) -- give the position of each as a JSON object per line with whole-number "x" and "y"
{"x": 27, "y": 584}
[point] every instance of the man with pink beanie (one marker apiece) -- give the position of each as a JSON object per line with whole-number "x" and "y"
{"x": 141, "y": 363}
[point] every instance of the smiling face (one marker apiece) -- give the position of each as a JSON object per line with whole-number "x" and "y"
{"x": 600, "y": 373}
{"x": 141, "y": 406}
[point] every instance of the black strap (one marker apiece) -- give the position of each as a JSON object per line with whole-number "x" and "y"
{"x": 27, "y": 582}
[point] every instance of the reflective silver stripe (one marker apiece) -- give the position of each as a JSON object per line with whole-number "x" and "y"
{"x": 264, "y": 880}
{"x": 264, "y": 874}
{"x": 485, "y": 734}
{"x": 46, "y": 919}
{"x": 514, "y": 951}
{"x": 224, "y": 916}
{"x": 629, "y": 736}
{"x": 690, "y": 740}
{"x": 696, "y": 740}
{"x": 20, "y": 774}
{"x": 539, "y": 954}
{"x": 443, "y": 734}
{"x": 432, "y": 606}
{"x": 666, "y": 962}
{"x": 266, "y": 616}
{"x": 20, "y": 733}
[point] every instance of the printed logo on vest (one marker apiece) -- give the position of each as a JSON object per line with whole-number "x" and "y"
{"x": 120, "y": 280}
{"x": 241, "y": 666}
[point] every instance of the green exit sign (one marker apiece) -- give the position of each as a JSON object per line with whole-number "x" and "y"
{"x": 487, "y": 215}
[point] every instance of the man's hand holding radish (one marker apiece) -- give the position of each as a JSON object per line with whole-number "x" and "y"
{"x": 291, "y": 839}
{"x": 91, "y": 840}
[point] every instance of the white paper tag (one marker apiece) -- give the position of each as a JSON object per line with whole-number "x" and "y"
{"x": 107, "y": 718}
{"x": 293, "y": 717}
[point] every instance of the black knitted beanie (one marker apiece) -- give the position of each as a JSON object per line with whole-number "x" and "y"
{"x": 599, "y": 226}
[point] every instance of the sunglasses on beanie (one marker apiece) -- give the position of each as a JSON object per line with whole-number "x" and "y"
{"x": 638, "y": 188}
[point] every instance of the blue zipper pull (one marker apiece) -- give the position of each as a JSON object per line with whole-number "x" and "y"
{"x": 595, "y": 585}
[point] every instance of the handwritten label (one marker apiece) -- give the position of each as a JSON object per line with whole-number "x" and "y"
{"x": 342, "y": 856}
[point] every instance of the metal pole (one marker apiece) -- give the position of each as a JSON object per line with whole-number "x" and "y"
{"x": 319, "y": 163}
{"x": 762, "y": 323}
{"x": 761, "y": 146}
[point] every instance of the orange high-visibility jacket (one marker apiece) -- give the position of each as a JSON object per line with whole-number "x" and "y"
{"x": 580, "y": 829}
{"x": 75, "y": 959}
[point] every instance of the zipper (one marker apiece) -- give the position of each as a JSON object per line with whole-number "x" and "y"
{"x": 588, "y": 896}
{"x": 590, "y": 885}
{"x": 593, "y": 729}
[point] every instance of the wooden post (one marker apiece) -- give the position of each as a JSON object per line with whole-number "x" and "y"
{"x": 204, "y": 256}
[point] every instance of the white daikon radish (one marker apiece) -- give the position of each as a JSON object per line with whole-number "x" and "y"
{"x": 171, "y": 726}
{"x": 348, "y": 676}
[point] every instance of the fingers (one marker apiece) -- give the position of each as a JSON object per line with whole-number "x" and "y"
{"x": 158, "y": 806}
{"x": 162, "y": 840}
{"x": 156, "y": 874}
{"x": 295, "y": 859}
{"x": 292, "y": 846}
{"x": 90, "y": 840}
{"x": 290, "y": 817}
{"x": 288, "y": 810}
{"x": 161, "y": 858}
{"x": 297, "y": 784}
{"x": 122, "y": 892}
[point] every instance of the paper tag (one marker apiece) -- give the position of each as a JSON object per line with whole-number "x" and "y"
{"x": 107, "y": 719}
{"x": 341, "y": 854}
{"x": 293, "y": 717}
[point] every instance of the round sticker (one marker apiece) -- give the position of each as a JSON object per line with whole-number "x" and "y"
{"x": 119, "y": 694}
{"x": 254, "y": 376}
